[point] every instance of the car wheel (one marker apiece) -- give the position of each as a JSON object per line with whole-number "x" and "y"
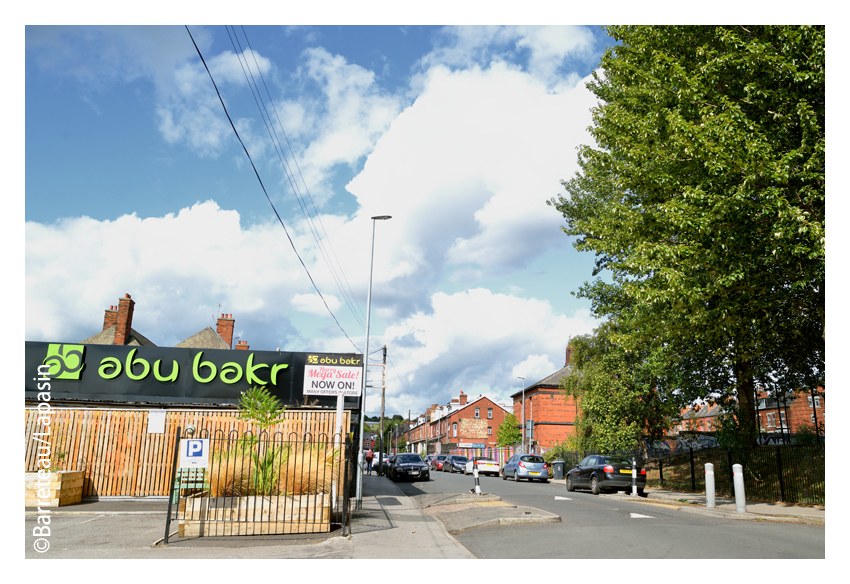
{"x": 594, "y": 486}
{"x": 640, "y": 492}
{"x": 570, "y": 486}
{"x": 516, "y": 476}
{"x": 504, "y": 478}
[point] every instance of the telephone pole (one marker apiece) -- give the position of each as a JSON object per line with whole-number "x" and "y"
{"x": 381, "y": 427}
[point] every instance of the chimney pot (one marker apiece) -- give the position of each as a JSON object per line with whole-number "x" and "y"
{"x": 224, "y": 328}
{"x": 124, "y": 320}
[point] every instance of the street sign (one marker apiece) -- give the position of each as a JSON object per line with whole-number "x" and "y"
{"x": 194, "y": 453}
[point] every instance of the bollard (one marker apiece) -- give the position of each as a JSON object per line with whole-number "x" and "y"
{"x": 709, "y": 486}
{"x": 477, "y": 489}
{"x": 740, "y": 498}
{"x": 634, "y": 478}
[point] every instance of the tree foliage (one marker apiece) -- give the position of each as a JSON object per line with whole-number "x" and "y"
{"x": 704, "y": 202}
{"x": 620, "y": 403}
{"x": 258, "y": 405}
{"x": 509, "y": 432}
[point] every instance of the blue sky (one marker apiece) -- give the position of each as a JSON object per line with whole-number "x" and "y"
{"x": 135, "y": 183}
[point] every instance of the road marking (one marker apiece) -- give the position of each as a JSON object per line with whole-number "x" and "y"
{"x": 639, "y": 516}
{"x": 563, "y": 499}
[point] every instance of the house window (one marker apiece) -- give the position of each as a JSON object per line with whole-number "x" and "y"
{"x": 477, "y": 414}
{"x": 489, "y": 413}
{"x": 813, "y": 418}
{"x": 817, "y": 401}
{"x": 771, "y": 420}
{"x": 782, "y": 418}
{"x": 454, "y": 429}
{"x": 490, "y": 430}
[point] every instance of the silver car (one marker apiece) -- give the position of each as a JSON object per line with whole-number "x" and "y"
{"x": 526, "y": 466}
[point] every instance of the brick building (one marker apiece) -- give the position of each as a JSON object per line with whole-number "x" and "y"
{"x": 551, "y": 414}
{"x": 462, "y": 423}
{"x": 777, "y": 415}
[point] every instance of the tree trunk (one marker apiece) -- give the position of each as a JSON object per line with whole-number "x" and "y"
{"x": 746, "y": 402}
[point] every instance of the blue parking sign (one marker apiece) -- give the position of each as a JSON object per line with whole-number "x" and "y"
{"x": 194, "y": 453}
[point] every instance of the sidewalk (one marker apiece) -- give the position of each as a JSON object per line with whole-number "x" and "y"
{"x": 725, "y": 506}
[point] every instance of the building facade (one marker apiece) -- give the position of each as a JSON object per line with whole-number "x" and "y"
{"x": 462, "y": 423}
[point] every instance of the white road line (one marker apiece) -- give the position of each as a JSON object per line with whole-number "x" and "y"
{"x": 639, "y": 516}
{"x": 563, "y": 499}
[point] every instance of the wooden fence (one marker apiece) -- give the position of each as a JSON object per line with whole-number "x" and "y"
{"x": 121, "y": 459}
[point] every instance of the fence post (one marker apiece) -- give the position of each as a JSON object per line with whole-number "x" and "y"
{"x": 781, "y": 483}
{"x": 693, "y": 473}
{"x": 171, "y": 490}
{"x": 731, "y": 469}
{"x": 661, "y": 468}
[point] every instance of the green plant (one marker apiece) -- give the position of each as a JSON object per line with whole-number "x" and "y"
{"x": 806, "y": 434}
{"x": 258, "y": 405}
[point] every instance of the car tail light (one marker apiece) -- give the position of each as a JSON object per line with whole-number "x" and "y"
{"x": 522, "y": 464}
{"x": 608, "y": 468}
{"x": 643, "y": 471}
{"x": 545, "y": 467}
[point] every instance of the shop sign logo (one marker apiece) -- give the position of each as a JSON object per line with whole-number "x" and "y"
{"x": 65, "y": 361}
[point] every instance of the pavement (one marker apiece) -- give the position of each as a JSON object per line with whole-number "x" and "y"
{"x": 391, "y": 525}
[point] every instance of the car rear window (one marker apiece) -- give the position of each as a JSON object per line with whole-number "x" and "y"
{"x": 461, "y": 459}
{"x": 530, "y": 458}
{"x": 616, "y": 460}
{"x": 409, "y": 458}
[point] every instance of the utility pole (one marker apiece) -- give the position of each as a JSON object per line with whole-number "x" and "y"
{"x": 383, "y": 393}
{"x": 407, "y": 446}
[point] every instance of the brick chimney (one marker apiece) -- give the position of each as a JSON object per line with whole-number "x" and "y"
{"x": 110, "y": 317}
{"x": 242, "y": 345}
{"x": 462, "y": 399}
{"x": 224, "y": 328}
{"x": 569, "y": 355}
{"x": 124, "y": 320}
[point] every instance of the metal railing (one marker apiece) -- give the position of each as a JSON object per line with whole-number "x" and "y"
{"x": 263, "y": 485}
{"x": 786, "y": 473}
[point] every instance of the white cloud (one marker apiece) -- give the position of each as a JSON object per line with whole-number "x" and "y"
{"x": 312, "y": 303}
{"x": 477, "y": 341}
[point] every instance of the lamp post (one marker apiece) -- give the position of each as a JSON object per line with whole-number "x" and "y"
{"x": 523, "y": 412}
{"x": 359, "y": 490}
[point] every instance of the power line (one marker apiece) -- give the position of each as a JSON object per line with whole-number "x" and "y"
{"x": 257, "y": 174}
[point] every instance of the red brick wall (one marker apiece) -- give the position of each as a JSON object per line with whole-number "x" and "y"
{"x": 544, "y": 405}
{"x": 124, "y": 320}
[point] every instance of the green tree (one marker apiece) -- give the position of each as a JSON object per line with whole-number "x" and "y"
{"x": 509, "y": 432}
{"x": 703, "y": 201}
{"x": 620, "y": 402}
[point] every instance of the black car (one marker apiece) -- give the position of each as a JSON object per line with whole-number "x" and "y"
{"x": 455, "y": 463}
{"x": 408, "y": 466}
{"x": 601, "y": 473}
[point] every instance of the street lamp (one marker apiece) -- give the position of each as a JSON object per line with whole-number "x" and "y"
{"x": 359, "y": 491}
{"x": 523, "y": 412}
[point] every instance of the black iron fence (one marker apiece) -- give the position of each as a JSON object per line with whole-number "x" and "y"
{"x": 262, "y": 485}
{"x": 787, "y": 473}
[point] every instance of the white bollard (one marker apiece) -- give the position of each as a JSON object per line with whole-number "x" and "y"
{"x": 709, "y": 486}
{"x": 740, "y": 496}
{"x": 634, "y": 478}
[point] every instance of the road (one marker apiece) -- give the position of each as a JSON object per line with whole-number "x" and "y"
{"x": 604, "y": 527}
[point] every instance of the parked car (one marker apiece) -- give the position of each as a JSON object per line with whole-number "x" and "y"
{"x": 601, "y": 473}
{"x": 385, "y": 463}
{"x": 409, "y": 466}
{"x": 437, "y": 462}
{"x": 526, "y": 466}
{"x": 485, "y": 466}
{"x": 428, "y": 458}
{"x": 454, "y": 463}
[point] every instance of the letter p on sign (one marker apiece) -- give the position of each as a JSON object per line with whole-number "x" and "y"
{"x": 194, "y": 453}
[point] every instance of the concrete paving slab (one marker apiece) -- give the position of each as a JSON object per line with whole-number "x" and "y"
{"x": 470, "y": 515}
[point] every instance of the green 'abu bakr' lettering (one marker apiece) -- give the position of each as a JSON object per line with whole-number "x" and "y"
{"x": 196, "y": 366}
{"x": 231, "y": 368}
{"x": 275, "y": 369}
{"x": 251, "y": 378}
{"x": 109, "y": 362}
{"x": 131, "y": 360}
{"x": 174, "y": 370}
